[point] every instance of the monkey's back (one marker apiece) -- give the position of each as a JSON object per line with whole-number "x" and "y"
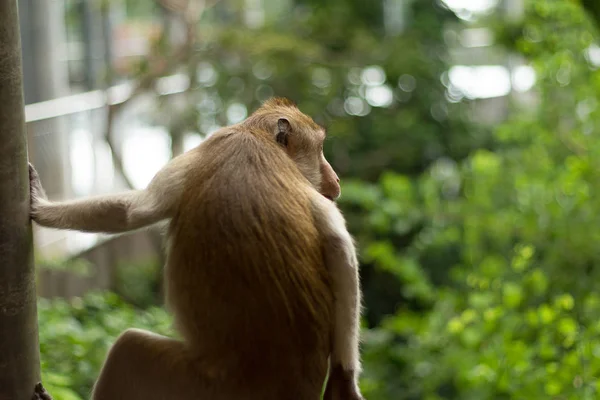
{"x": 245, "y": 276}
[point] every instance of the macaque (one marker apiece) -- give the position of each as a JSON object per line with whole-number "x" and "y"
{"x": 261, "y": 273}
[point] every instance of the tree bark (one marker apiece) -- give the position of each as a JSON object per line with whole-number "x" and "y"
{"x": 19, "y": 348}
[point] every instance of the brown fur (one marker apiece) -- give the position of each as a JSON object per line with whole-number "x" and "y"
{"x": 249, "y": 291}
{"x": 261, "y": 273}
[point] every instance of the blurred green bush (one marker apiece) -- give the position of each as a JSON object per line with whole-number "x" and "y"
{"x": 516, "y": 314}
{"x": 76, "y": 335}
{"x": 479, "y": 252}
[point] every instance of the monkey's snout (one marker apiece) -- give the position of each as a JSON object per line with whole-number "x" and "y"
{"x": 331, "y": 197}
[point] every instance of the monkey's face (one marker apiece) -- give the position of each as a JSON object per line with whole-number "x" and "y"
{"x": 330, "y": 182}
{"x": 303, "y": 141}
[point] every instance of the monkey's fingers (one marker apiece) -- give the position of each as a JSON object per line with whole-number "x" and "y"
{"x": 33, "y": 175}
{"x": 342, "y": 386}
{"x": 35, "y": 185}
{"x": 40, "y": 393}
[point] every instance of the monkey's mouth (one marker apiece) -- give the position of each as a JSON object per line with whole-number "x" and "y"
{"x": 328, "y": 197}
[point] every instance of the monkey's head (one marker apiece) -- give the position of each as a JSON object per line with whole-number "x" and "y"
{"x": 302, "y": 139}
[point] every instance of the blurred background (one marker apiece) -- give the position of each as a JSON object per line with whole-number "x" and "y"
{"x": 465, "y": 133}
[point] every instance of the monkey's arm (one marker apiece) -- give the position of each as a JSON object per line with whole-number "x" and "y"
{"x": 112, "y": 213}
{"x": 342, "y": 262}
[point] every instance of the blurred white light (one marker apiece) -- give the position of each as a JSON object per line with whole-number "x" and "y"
{"x": 354, "y": 76}
{"x": 444, "y": 168}
{"x": 207, "y": 75}
{"x": 82, "y": 155}
{"x": 593, "y": 55}
{"x": 264, "y": 92}
{"x": 373, "y": 75}
{"x": 379, "y": 96}
{"x": 356, "y": 106}
{"x": 394, "y": 15}
{"x": 145, "y": 151}
{"x": 408, "y": 83}
{"x": 445, "y": 79}
{"x": 262, "y": 70}
{"x": 173, "y": 84}
{"x": 585, "y": 108}
{"x": 206, "y": 123}
{"x": 212, "y": 129}
{"x": 236, "y": 112}
{"x": 464, "y": 14}
{"x": 208, "y": 104}
{"x": 119, "y": 93}
{"x": 454, "y": 94}
{"x": 474, "y": 6}
{"x": 481, "y": 82}
{"x": 321, "y": 77}
{"x": 104, "y": 168}
{"x": 476, "y": 37}
{"x": 254, "y": 13}
{"x": 523, "y": 78}
{"x": 191, "y": 140}
{"x": 563, "y": 75}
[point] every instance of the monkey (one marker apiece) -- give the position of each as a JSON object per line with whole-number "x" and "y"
{"x": 261, "y": 274}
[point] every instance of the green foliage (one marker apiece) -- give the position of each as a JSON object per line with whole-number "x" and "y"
{"x": 77, "y": 266}
{"x": 518, "y": 318}
{"x": 139, "y": 282}
{"x": 332, "y": 58}
{"x": 76, "y": 335}
{"x": 479, "y": 253}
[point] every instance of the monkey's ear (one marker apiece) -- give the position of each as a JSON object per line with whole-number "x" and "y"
{"x": 283, "y": 131}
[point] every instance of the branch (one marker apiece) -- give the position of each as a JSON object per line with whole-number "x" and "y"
{"x": 159, "y": 66}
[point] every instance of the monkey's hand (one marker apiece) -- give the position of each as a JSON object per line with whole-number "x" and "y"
{"x": 38, "y": 195}
{"x": 40, "y": 393}
{"x": 342, "y": 385}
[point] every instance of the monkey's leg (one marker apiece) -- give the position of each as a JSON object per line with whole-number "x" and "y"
{"x": 341, "y": 260}
{"x": 142, "y": 365}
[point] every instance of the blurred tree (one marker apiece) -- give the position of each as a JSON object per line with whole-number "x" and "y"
{"x": 378, "y": 91}
{"x": 369, "y": 70}
{"x": 520, "y": 317}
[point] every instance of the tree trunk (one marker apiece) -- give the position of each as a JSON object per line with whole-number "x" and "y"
{"x": 19, "y": 349}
